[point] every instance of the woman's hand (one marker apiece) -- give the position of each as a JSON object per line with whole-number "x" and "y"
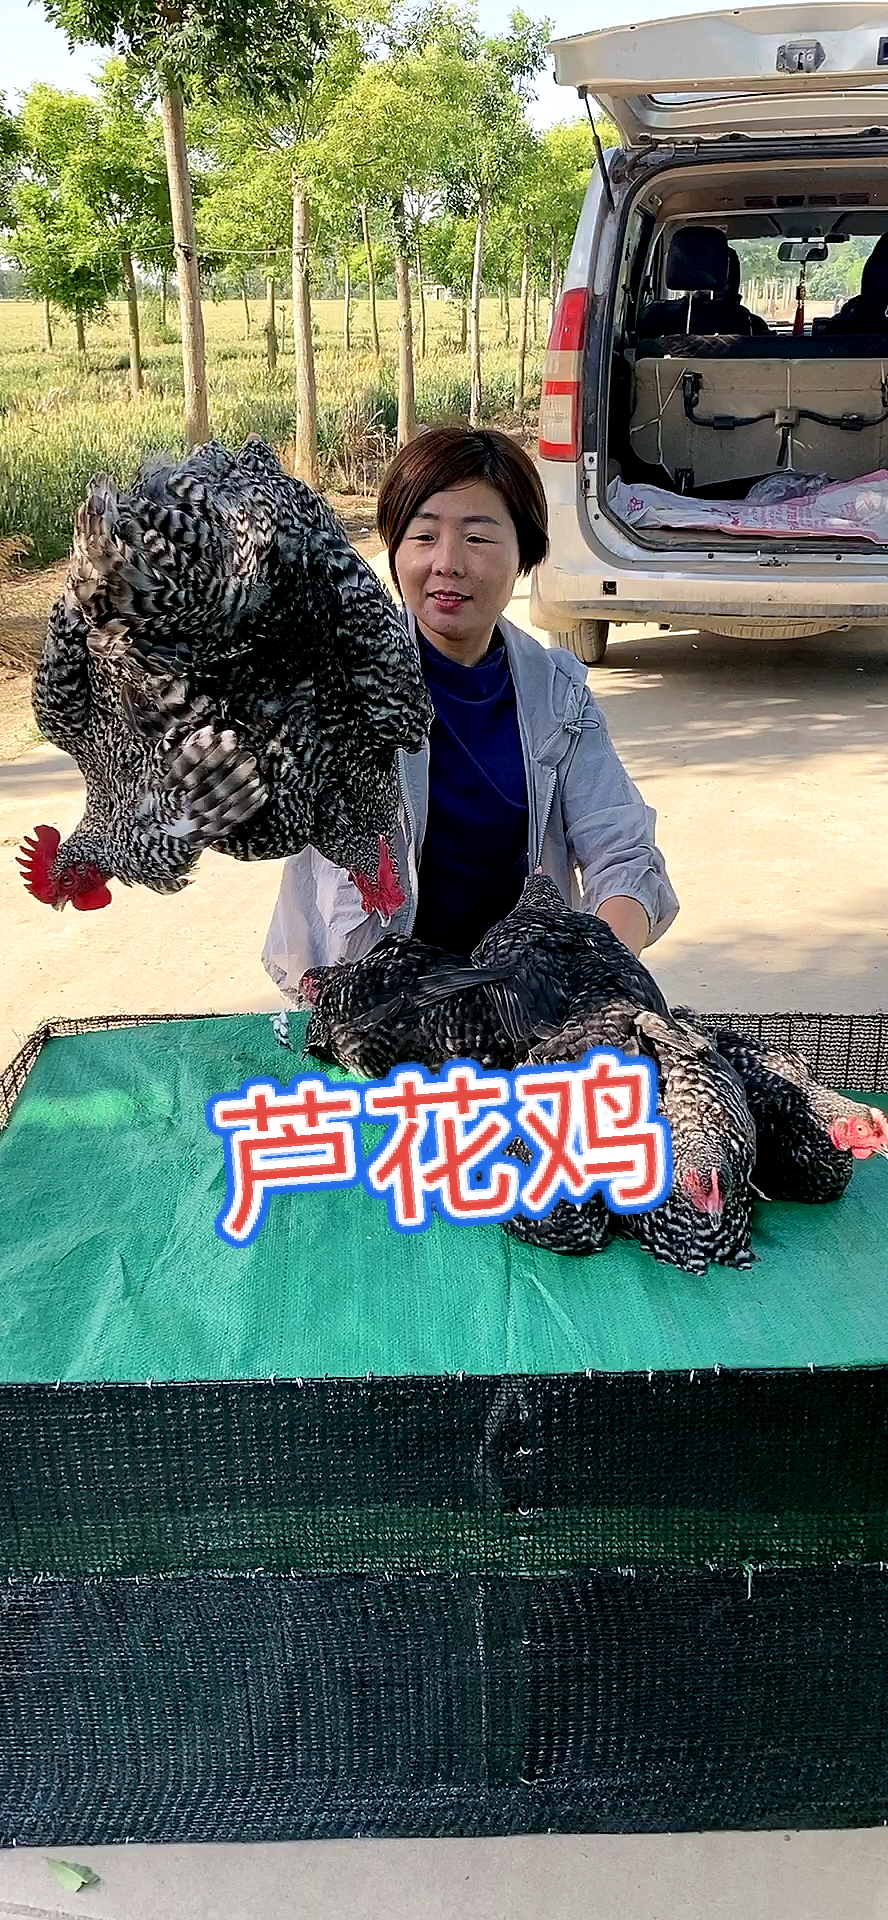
{"x": 628, "y": 920}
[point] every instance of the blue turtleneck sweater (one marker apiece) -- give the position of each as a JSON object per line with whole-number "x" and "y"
{"x": 474, "y": 855}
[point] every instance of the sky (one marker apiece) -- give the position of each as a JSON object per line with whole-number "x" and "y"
{"x": 34, "y": 50}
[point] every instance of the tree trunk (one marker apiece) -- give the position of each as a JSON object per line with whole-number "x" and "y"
{"x": 507, "y": 316}
{"x": 422, "y": 304}
{"x": 475, "y": 401}
{"x": 535, "y": 315}
{"x": 553, "y": 280}
{"x": 197, "y": 422}
{"x": 246, "y": 309}
{"x": 163, "y": 298}
{"x": 47, "y": 326}
{"x": 346, "y": 310}
{"x": 463, "y": 325}
{"x": 371, "y": 278}
{"x": 502, "y": 307}
{"x": 79, "y": 332}
{"x": 522, "y": 338}
{"x": 271, "y": 338}
{"x": 406, "y": 387}
{"x": 132, "y": 314}
{"x": 306, "y": 388}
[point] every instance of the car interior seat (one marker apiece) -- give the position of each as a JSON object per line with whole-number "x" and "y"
{"x": 868, "y": 311}
{"x": 732, "y": 290}
{"x": 698, "y": 266}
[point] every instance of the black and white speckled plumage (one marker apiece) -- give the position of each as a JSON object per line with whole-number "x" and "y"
{"x": 712, "y": 1133}
{"x": 795, "y": 1156}
{"x": 227, "y": 672}
{"x": 382, "y": 1010}
{"x": 543, "y": 964}
{"x": 711, "y": 1130}
{"x": 363, "y": 1013}
{"x": 570, "y": 1229}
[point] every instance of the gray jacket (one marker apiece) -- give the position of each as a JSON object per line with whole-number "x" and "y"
{"x": 589, "y": 827}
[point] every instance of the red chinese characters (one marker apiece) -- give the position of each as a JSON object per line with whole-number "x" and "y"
{"x": 596, "y": 1128}
{"x": 593, "y": 1126}
{"x": 444, "y": 1134}
{"x": 303, "y": 1137}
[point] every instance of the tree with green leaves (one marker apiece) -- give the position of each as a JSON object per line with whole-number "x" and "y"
{"x": 10, "y": 162}
{"x": 263, "y": 50}
{"x": 104, "y": 155}
{"x": 566, "y": 160}
{"x": 522, "y": 212}
{"x": 245, "y": 215}
{"x": 66, "y": 263}
{"x": 286, "y": 131}
{"x": 488, "y": 137}
{"x": 385, "y": 140}
{"x": 450, "y": 252}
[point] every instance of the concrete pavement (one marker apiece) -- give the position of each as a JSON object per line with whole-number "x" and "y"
{"x": 687, "y": 1876}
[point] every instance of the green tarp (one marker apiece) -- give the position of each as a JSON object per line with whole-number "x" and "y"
{"x": 111, "y": 1268}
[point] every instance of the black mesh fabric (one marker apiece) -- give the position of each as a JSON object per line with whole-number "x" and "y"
{"x": 234, "y": 1708}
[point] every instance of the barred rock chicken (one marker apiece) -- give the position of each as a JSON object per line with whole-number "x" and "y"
{"x": 404, "y": 1001}
{"x": 707, "y": 1214}
{"x": 543, "y": 963}
{"x": 570, "y": 1227}
{"x": 362, "y": 1013}
{"x": 380, "y": 1011}
{"x": 227, "y": 672}
{"x": 807, "y": 1136}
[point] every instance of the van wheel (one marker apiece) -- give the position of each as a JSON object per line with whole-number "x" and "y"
{"x": 588, "y": 641}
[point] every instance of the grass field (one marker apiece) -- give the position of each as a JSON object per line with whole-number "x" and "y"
{"x": 63, "y": 419}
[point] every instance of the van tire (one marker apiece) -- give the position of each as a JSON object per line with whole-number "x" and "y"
{"x": 588, "y": 641}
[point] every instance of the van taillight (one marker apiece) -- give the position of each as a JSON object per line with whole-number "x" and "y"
{"x": 560, "y": 412}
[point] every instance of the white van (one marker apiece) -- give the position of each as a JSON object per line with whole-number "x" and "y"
{"x": 707, "y": 461}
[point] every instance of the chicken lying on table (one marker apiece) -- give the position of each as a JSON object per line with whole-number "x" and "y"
{"x": 707, "y": 1215}
{"x": 807, "y": 1136}
{"x": 363, "y": 1015}
{"x": 405, "y": 1001}
{"x": 543, "y": 964}
{"x": 227, "y": 672}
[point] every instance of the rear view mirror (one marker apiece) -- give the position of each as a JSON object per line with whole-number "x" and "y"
{"x": 799, "y": 250}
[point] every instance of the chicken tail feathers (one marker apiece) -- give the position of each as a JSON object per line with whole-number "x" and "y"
{"x": 444, "y": 982}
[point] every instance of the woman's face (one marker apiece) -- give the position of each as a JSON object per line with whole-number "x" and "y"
{"x": 457, "y": 565}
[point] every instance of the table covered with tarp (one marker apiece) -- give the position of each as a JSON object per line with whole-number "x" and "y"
{"x": 348, "y": 1531}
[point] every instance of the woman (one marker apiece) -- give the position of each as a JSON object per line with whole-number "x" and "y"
{"x": 519, "y": 772}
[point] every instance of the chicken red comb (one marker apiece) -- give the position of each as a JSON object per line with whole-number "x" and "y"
{"x": 35, "y": 858}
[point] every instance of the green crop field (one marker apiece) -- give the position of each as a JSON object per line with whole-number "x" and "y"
{"x": 64, "y": 419}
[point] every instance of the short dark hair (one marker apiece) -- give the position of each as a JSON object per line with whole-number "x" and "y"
{"x": 453, "y": 457}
